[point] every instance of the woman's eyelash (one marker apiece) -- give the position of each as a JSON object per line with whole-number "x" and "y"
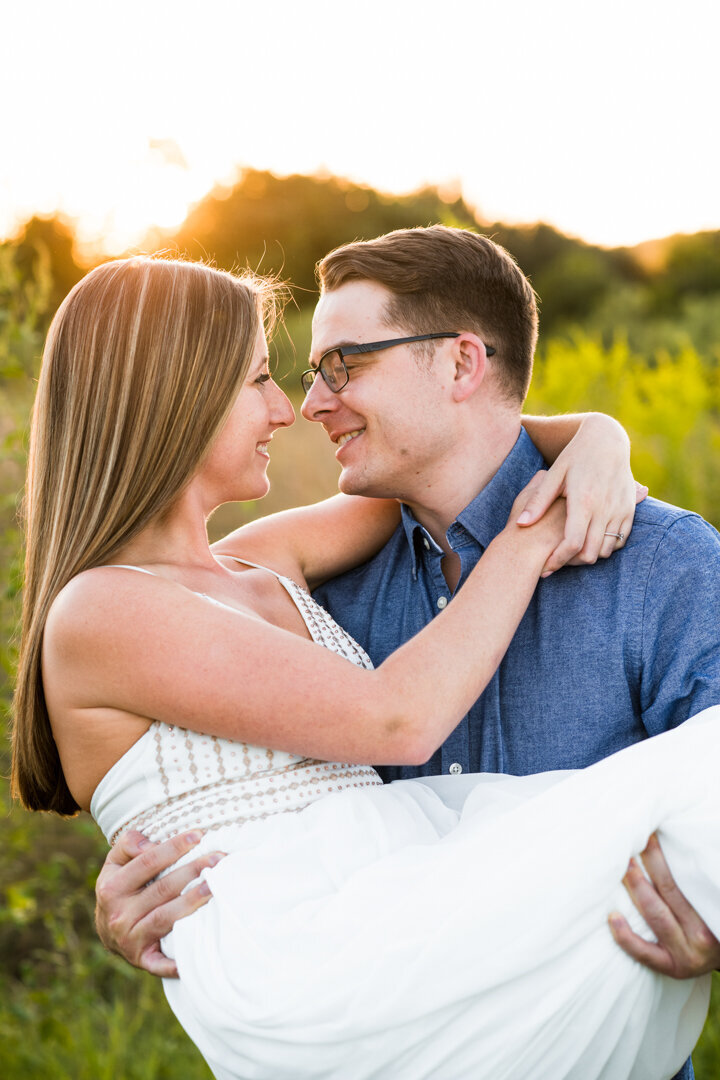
{"x": 265, "y": 377}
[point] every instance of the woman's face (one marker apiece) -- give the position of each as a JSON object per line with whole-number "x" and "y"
{"x": 235, "y": 469}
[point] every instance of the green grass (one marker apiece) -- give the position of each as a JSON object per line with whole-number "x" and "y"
{"x": 706, "y": 1057}
{"x": 76, "y": 1029}
{"x": 67, "y": 1008}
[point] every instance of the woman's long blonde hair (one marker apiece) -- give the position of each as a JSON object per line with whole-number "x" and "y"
{"x": 141, "y": 366}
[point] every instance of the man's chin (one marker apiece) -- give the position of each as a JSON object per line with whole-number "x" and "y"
{"x": 371, "y": 488}
{"x": 350, "y": 485}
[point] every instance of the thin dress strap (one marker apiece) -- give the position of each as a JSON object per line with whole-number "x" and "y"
{"x": 244, "y": 562}
{"x": 291, "y": 587}
{"x": 320, "y": 625}
{"x": 257, "y": 566}
{"x": 127, "y": 566}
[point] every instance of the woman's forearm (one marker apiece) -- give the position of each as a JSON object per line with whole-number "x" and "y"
{"x": 404, "y": 709}
{"x": 552, "y": 434}
{"x": 487, "y": 610}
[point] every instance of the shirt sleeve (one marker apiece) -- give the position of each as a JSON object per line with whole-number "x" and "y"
{"x": 681, "y": 626}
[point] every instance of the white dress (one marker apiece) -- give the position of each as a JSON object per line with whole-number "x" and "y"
{"x": 454, "y": 928}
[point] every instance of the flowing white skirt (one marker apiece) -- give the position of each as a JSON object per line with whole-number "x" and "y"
{"x": 456, "y": 928}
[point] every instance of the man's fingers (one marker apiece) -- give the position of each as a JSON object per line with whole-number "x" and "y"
{"x": 653, "y": 908}
{"x": 164, "y": 895}
{"x": 137, "y": 937}
{"x": 126, "y": 847}
{"x": 157, "y": 963}
{"x": 136, "y": 907}
{"x": 692, "y": 925}
{"x": 659, "y": 871}
{"x": 160, "y": 920}
{"x": 686, "y": 947}
{"x": 122, "y": 911}
{"x": 645, "y": 952}
{"x": 152, "y": 860}
{"x": 689, "y": 950}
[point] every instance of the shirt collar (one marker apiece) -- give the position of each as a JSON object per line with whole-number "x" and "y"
{"x": 487, "y": 514}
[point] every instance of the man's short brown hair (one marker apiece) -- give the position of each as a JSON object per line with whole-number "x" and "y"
{"x": 448, "y": 279}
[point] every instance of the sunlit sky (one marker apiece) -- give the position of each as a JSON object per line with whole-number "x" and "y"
{"x": 602, "y": 119}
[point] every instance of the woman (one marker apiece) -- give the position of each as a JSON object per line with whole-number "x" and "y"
{"x": 164, "y": 689}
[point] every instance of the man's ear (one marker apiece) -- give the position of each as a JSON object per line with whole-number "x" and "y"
{"x": 470, "y": 366}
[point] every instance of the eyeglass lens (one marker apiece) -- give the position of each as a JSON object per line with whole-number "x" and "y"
{"x": 333, "y": 370}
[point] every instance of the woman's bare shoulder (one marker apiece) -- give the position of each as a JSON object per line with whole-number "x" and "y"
{"x": 93, "y": 600}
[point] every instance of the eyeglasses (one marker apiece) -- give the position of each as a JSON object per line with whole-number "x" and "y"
{"x": 332, "y": 363}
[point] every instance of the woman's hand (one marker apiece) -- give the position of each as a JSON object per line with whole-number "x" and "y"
{"x": 593, "y": 474}
{"x": 548, "y": 530}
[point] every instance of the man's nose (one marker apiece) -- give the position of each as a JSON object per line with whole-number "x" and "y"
{"x": 319, "y": 400}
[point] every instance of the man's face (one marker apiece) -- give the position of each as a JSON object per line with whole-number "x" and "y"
{"x": 390, "y": 423}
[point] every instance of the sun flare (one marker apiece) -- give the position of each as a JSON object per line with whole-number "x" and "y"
{"x": 560, "y": 117}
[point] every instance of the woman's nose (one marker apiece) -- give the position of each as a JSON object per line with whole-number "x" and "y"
{"x": 283, "y": 413}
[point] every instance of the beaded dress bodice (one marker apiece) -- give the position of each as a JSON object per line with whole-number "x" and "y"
{"x": 173, "y": 779}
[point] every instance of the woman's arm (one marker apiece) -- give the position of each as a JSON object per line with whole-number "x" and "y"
{"x": 120, "y": 643}
{"x": 316, "y": 542}
{"x": 590, "y": 453}
{"x": 552, "y": 434}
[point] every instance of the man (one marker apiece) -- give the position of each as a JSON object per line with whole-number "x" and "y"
{"x": 604, "y": 657}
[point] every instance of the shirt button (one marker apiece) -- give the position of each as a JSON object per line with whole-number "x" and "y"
{"x": 455, "y": 768}
{"x": 442, "y": 602}
{"x": 426, "y": 542}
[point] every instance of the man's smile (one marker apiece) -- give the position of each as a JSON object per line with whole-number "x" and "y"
{"x": 347, "y": 436}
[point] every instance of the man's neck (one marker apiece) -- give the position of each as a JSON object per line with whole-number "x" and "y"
{"x": 444, "y": 500}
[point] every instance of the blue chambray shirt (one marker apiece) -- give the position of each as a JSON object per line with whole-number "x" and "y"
{"x": 604, "y": 656}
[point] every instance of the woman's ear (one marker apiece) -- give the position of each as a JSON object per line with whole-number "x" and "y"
{"x": 470, "y": 366}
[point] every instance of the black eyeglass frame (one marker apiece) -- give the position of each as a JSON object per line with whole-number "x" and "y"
{"x": 308, "y": 377}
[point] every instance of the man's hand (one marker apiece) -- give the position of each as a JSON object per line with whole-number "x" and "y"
{"x": 133, "y": 911}
{"x": 686, "y": 947}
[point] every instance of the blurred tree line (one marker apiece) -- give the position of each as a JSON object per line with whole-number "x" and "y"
{"x": 284, "y": 225}
{"x": 634, "y": 332}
